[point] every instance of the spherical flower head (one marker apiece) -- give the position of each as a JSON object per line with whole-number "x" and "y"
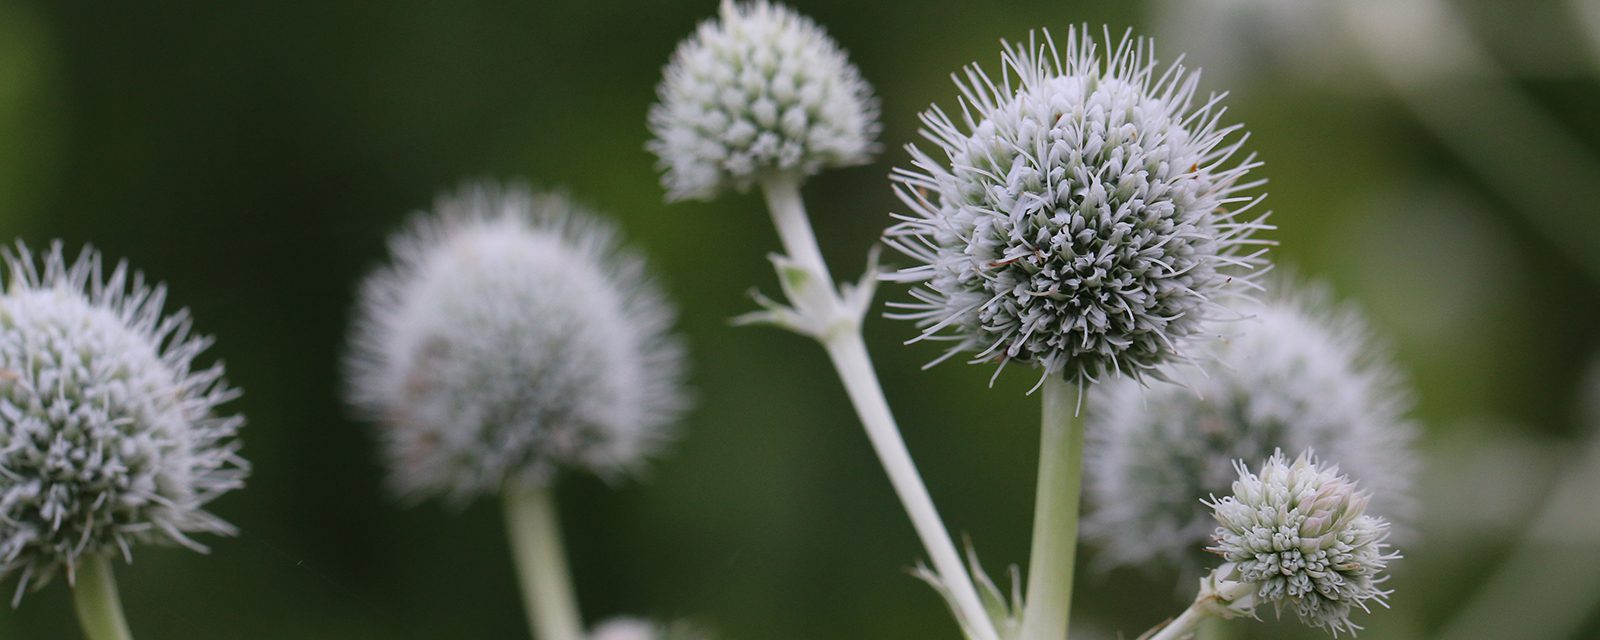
{"x": 759, "y": 91}
{"x": 109, "y": 435}
{"x": 1081, "y": 216}
{"x": 1299, "y": 373}
{"x": 1299, "y": 534}
{"x": 511, "y": 337}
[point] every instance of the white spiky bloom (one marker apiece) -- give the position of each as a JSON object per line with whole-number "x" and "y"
{"x": 760, "y": 90}
{"x": 1081, "y": 215}
{"x": 1299, "y": 534}
{"x": 109, "y": 435}
{"x": 1300, "y": 373}
{"x": 511, "y": 337}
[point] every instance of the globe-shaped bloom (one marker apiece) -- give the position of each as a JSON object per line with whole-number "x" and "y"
{"x": 1299, "y": 534}
{"x": 110, "y": 436}
{"x": 1082, "y": 215}
{"x": 1299, "y": 373}
{"x": 759, "y": 91}
{"x": 511, "y": 337}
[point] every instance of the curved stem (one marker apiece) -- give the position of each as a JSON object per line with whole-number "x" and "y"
{"x": 1182, "y": 627}
{"x": 848, "y": 351}
{"x": 94, "y": 592}
{"x": 1055, "y": 515}
{"x": 547, "y": 591}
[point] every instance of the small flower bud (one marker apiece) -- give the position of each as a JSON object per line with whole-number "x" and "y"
{"x": 1298, "y": 534}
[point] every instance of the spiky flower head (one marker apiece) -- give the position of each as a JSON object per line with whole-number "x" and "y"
{"x": 1299, "y": 534}
{"x": 758, "y": 91}
{"x": 1082, "y": 214}
{"x": 511, "y": 337}
{"x": 110, "y": 436}
{"x": 1299, "y": 373}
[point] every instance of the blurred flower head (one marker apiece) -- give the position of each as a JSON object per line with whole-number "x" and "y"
{"x": 510, "y": 337}
{"x": 759, "y": 91}
{"x": 638, "y": 629}
{"x": 1299, "y": 534}
{"x": 1299, "y": 373}
{"x": 1083, "y": 215}
{"x": 109, "y": 434}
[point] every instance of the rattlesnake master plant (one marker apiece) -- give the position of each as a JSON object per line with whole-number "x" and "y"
{"x": 511, "y": 337}
{"x": 1299, "y": 372}
{"x": 760, "y": 90}
{"x": 110, "y": 436}
{"x": 1297, "y": 536}
{"x": 1081, "y": 214}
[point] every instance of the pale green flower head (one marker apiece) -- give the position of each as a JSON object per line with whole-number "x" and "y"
{"x": 512, "y": 337}
{"x": 1298, "y": 534}
{"x": 1082, "y": 212}
{"x": 760, "y": 90}
{"x": 111, "y": 433}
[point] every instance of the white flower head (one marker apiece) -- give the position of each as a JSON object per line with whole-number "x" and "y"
{"x": 511, "y": 337}
{"x": 1081, "y": 215}
{"x": 761, "y": 90}
{"x": 1299, "y": 534}
{"x": 1299, "y": 373}
{"x": 109, "y": 435}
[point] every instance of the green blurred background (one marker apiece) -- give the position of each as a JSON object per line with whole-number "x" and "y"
{"x": 255, "y": 155}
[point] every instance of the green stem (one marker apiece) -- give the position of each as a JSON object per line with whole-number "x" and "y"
{"x": 848, "y": 351}
{"x": 1213, "y": 628}
{"x": 94, "y": 591}
{"x": 1183, "y": 626}
{"x": 1055, "y": 515}
{"x": 547, "y": 591}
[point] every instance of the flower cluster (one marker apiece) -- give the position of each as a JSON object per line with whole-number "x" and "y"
{"x": 761, "y": 90}
{"x": 1299, "y": 373}
{"x": 109, "y": 434}
{"x": 1082, "y": 215}
{"x": 1298, "y": 533}
{"x": 509, "y": 338}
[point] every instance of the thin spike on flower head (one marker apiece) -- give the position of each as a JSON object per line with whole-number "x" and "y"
{"x": 1299, "y": 535}
{"x": 759, "y": 90}
{"x": 511, "y": 337}
{"x": 110, "y": 437}
{"x": 1300, "y": 372}
{"x": 1080, "y": 216}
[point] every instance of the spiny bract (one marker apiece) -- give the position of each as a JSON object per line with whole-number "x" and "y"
{"x": 510, "y": 337}
{"x": 109, "y": 436}
{"x": 760, "y": 91}
{"x": 1299, "y": 373}
{"x": 1081, "y": 216}
{"x": 1299, "y": 534}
